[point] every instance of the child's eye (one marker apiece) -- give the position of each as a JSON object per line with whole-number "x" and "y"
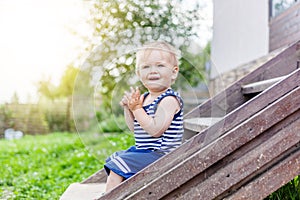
{"x": 145, "y": 67}
{"x": 160, "y": 66}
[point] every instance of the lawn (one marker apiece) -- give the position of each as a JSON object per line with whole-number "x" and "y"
{"x": 42, "y": 167}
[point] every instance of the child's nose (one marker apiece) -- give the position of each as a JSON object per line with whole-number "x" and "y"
{"x": 153, "y": 68}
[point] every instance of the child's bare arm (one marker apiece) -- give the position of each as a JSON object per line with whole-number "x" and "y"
{"x": 157, "y": 125}
{"x": 129, "y": 118}
{"x": 128, "y": 115}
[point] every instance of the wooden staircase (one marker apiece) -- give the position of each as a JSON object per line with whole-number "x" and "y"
{"x": 244, "y": 143}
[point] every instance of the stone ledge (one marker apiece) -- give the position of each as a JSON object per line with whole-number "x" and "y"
{"x": 79, "y": 191}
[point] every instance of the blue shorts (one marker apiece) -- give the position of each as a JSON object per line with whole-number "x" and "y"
{"x": 129, "y": 162}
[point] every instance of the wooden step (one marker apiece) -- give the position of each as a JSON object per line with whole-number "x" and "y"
{"x": 79, "y": 191}
{"x": 260, "y": 86}
{"x": 199, "y": 124}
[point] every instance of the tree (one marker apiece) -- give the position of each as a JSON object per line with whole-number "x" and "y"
{"x": 47, "y": 89}
{"x": 15, "y": 98}
{"x": 66, "y": 88}
{"x": 121, "y": 26}
{"x": 63, "y": 91}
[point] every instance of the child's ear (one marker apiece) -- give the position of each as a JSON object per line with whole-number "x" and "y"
{"x": 175, "y": 72}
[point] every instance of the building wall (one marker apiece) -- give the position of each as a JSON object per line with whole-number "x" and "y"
{"x": 285, "y": 28}
{"x": 240, "y": 33}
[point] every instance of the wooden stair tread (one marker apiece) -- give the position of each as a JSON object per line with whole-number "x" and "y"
{"x": 79, "y": 191}
{"x": 198, "y": 124}
{"x": 260, "y": 85}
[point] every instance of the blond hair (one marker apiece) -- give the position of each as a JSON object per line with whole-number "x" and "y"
{"x": 173, "y": 54}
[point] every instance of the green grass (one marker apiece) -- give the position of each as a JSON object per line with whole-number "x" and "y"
{"x": 290, "y": 191}
{"x": 42, "y": 167}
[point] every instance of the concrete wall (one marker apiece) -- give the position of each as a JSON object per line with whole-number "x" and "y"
{"x": 240, "y": 33}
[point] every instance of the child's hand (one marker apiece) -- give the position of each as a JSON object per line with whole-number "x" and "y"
{"x": 134, "y": 99}
{"x": 124, "y": 100}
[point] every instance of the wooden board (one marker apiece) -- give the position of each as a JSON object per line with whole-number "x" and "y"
{"x": 98, "y": 177}
{"x": 234, "y": 156}
{"x": 247, "y": 165}
{"x": 271, "y": 180}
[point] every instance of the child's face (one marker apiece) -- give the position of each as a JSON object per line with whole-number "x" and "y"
{"x": 156, "y": 70}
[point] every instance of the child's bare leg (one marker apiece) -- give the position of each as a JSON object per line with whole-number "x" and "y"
{"x": 112, "y": 181}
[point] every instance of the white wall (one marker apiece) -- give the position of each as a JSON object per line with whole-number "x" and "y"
{"x": 240, "y": 33}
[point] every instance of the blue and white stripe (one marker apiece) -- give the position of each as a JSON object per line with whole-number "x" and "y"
{"x": 121, "y": 164}
{"x": 171, "y": 138}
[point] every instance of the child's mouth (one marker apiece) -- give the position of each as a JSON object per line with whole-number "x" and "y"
{"x": 153, "y": 78}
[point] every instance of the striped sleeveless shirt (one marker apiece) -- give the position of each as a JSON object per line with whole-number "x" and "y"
{"x": 171, "y": 138}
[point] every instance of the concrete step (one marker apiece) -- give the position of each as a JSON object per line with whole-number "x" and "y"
{"x": 80, "y": 191}
{"x": 199, "y": 124}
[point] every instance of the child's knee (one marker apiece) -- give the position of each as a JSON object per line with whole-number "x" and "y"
{"x": 115, "y": 176}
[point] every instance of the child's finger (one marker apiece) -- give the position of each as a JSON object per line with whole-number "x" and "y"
{"x": 132, "y": 90}
{"x": 137, "y": 90}
{"x": 141, "y": 99}
{"x": 136, "y": 95}
{"x": 127, "y": 95}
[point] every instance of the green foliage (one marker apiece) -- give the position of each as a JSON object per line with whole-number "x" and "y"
{"x": 103, "y": 145}
{"x": 122, "y": 26}
{"x": 42, "y": 167}
{"x": 63, "y": 91}
{"x": 67, "y": 81}
{"x": 55, "y": 115}
{"x": 55, "y": 120}
{"x": 290, "y": 191}
{"x": 6, "y": 117}
{"x": 47, "y": 89}
{"x": 281, "y": 5}
{"x": 34, "y": 120}
{"x": 193, "y": 67}
{"x": 15, "y": 98}
{"x": 27, "y": 118}
{"x": 112, "y": 124}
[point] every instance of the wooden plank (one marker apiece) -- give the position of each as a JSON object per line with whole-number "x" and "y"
{"x": 250, "y": 163}
{"x": 252, "y": 106}
{"x": 98, "y": 177}
{"x": 199, "y": 124}
{"x": 162, "y": 180}
{"x": 231, "y": 98}
{"x": 260, "y": 86}
{"x": 249, "y": 146}
{"x": 270, "y": 181}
